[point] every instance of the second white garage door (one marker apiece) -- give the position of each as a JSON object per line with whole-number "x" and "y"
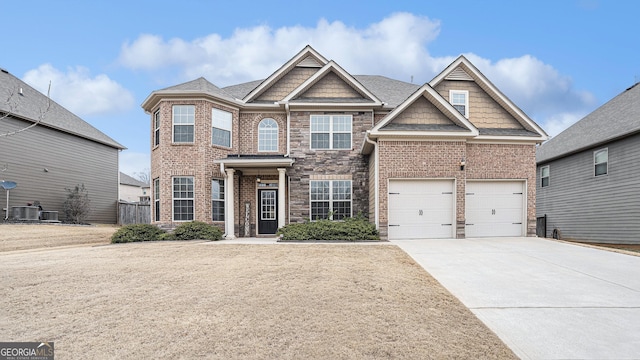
{"x": 421, "y": 209}
{"x": 494, "y": 208}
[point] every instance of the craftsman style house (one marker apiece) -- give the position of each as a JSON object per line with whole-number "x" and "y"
{"x": 452, "y": 158}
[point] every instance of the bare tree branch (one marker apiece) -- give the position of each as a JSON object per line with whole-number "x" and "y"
{"x": 12, "y": 105}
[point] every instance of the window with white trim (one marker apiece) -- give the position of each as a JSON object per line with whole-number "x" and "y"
{"x": 156, "y": 198}
{"x": 221, "y": 122}
{"x": 331, "y": 132}
{"x": 183, "y": 123}
{"x": 183, "y": 198}
{"x": 217, "y": 200}
{"x": 601, "y": 162}
{"x": 268, "y": 135}
{"x": 330, "y": 199}
{"x": 460, "y": 101}
{"x": 156, "y": 128}
{"x": 544, "y": 176}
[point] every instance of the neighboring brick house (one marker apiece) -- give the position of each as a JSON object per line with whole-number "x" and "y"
{"x": 451, "y": 158}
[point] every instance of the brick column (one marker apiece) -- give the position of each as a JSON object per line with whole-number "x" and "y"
{"x": 229, "y": 216}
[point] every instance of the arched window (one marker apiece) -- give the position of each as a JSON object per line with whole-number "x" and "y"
{"x": 268, "y": 135}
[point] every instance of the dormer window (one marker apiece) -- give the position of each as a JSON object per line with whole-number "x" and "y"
{"x": 460, "y": 101}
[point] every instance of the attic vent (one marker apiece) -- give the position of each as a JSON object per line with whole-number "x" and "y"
{"x": 459, "y": 74}
{"x": 309, "y": 62}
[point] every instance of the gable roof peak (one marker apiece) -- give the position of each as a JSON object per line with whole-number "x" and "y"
{"x": 306, "y": 55}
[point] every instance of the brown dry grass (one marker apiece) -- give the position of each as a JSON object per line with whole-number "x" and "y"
{"x": 35, "y": 236}
{"x": 210, "y": 300}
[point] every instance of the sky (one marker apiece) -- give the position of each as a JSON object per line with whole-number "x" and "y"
{"x": 558, "y": 60}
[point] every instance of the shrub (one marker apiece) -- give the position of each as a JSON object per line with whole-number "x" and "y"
{"x": 77, "y": 206}
{"x": 195, "y": 230}
{"x": 137, "y": 232}
{"x": 350, "y": 229}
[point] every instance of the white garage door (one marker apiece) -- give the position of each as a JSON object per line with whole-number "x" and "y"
{"x": 421, "y": 209}
{"x": 494, "y": 208}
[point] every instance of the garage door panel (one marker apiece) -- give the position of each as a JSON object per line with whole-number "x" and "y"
{"x": 420, "y": 209}
{"x": 494, "y": 208}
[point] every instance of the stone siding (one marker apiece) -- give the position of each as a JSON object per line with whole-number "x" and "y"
{"x": 326, "y": 163}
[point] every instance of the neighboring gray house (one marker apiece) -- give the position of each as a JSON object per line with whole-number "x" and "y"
{"x": 133, "y": 190}
{"x": 589, "y": 175}
{"x": 60, "y": 152}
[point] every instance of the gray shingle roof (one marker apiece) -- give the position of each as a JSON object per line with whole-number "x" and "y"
{"x": 128, "y": 180}
{"x": 32, "y": 103}
{"x": 390, "y": 91}
{"x": 199, "y": 85}
{"x": 239, "y": 91}
{"x": 617, "y": 118}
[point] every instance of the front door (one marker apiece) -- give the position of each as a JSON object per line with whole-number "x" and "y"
{"x": 267, "y": 211}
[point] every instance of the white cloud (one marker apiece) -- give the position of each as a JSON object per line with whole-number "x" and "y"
{"x": 80, "y": 93}
{"x": 134, "y": 162}
{"x": 395, "y": 47}
{"x": 397, "y": 43}
{"x": 557, "y": 123}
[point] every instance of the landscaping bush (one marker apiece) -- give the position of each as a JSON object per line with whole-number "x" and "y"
{"x": 77, "y": 206}
{"x": 137, "y": 232}
{"x": 195, "y": 230}
{"x": 350, "y": 229}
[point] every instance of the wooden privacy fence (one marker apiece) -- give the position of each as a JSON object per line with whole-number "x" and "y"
{"x": 133, "y": 213}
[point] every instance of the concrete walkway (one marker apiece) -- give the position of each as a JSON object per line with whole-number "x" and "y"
{"x": 545, "y": 299}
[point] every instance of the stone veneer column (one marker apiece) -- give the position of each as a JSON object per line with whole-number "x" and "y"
{"x": 281, "y": 197}
{"x": 229, "y": 216}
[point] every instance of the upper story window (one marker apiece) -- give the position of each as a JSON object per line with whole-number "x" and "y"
{"x": 268, "y": 135}
{"x": 183, "y": 123}
{"x": 156, "y": 128}
{"x": 221, "y": 122}
{"x": 544, "y": 176}
{"x": 601, "y": 161}
{"x": 460, "y": 101}
{"x": 331, "y": 131}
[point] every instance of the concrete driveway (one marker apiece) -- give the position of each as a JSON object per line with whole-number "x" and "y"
{"x": 545, "y": 299}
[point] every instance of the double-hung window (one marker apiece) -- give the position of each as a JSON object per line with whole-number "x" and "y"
{"x": 217, "y": 200}
{"x": 156, "y": 128}
{"x": 183, "y": 123}
{"x": 331, "y": 132}
{"x": 221, "y": 122}
{"x": 460, "y": 101}
{"x": 268, "y": 135}
{"x": 544, "y": 176}
{"x": 183, "y": 198}
{"x": 330, "y": 199}
{"x": 156, "y": 198}
{"x": 601, "y": 161}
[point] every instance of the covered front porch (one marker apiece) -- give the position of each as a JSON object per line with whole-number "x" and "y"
{"x": 256, "y": 193}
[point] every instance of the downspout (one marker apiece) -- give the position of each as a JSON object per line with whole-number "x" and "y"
{"x": 286, "y": 108}
{"x": 375, "y": 159}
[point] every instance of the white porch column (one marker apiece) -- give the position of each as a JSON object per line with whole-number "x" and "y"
{"x": 281, "y": 197}
{"x": 229, "y": 216}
